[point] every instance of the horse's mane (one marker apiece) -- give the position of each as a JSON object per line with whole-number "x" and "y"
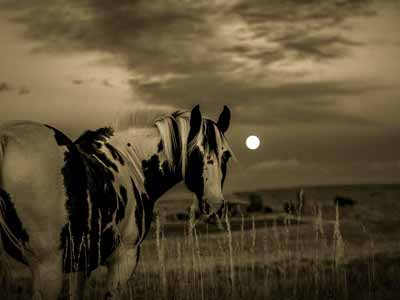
{"x": 140, "y": 118}
{"x": 174, "y": 129}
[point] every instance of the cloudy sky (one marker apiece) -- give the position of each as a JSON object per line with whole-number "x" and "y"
{"x": 317, "y": 81}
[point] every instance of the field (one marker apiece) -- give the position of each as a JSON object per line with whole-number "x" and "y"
{"x": 341, "y": 242}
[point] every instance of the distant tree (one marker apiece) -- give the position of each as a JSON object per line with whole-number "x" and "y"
{"x": 234, "y": 209}
{"x": 256, "y": 203}
{"x": 343, "y": 201}
{"x": 267, "y": 209}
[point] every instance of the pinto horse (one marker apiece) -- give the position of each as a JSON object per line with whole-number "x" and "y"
{"x": 69, "y": 207}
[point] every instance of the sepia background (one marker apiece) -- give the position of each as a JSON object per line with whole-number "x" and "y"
{"x": 317, "y": 81}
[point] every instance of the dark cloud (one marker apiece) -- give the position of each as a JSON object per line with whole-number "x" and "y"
{"x": 298, "y": 17}
{"x": 164, "y": 34}
{"x": 23, "y": 90}
{"x": 303, "y": 102}
{"x": 107, "y": 83}
{"x": 319, "y": 47}
{"x": 180, "y": 54}
{"x": 77, "y": 81}
{"x": 5, "y": 87}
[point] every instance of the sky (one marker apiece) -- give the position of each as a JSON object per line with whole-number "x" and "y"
{"x": 317, "y": 81}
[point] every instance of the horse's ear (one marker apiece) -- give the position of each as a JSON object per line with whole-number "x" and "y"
{"x": 195, "y": 122}
{"x": 224, "y": 119}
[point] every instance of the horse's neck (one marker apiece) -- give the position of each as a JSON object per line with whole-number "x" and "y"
{"x": 147, "y": 160}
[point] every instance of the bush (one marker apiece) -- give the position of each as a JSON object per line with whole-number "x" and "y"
{"x": 256, "y": 203}
{"x": 234, "y": 209}
{"x": 343, "y": 201}
{"x": 267, "y": 210}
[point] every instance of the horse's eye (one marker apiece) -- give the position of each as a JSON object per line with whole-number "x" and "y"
{"x": 226, "y": 155}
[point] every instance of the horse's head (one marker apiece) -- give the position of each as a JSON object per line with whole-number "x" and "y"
{"x": 207, "y": 158}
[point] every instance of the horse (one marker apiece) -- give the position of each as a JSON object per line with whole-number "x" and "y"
{"x": 68, "y": 207}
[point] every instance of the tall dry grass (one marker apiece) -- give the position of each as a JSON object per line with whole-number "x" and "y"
{"x": 285, "y": 260}
{"x": 278, "y": 261}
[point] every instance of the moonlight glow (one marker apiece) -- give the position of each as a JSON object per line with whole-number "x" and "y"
{"x": 252, "y": 142}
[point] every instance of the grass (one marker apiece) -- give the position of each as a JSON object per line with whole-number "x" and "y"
{"x": 278, "y": 256}
{"x": 272, "y": 262}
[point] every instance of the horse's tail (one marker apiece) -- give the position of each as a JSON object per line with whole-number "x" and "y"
{"x": 1, "y": 199}
{"x": 5, "y": 202}
{"x": 2, "y": 146}
{"x": 2, "y": 220}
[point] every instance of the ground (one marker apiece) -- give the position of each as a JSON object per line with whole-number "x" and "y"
{"x": 322, "y": 251}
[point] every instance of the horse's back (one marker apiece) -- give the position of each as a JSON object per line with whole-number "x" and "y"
{"x": 29, "y": 151}
{"x": 31, "y": 164}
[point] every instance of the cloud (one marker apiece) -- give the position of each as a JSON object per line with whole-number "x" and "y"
{"x": 5, "y": 87}
{"x": 300, "y": 102}
{"x": 184, "y": 53}
{"x": 107, "y": 83}
{"x": 280, "y": 173}
{"x": 23, "y": 90}
{"x": 273, "y": 164}
{"x": 77, "y": 81}
{"x": 319, "y": 47}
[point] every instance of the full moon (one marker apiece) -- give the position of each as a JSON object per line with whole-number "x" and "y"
{"x": 252, "y": 142}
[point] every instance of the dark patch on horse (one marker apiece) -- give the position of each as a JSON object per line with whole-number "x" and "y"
{"x": 100, "y": 134}
{"x": 139, "y": 211}
{"x": 11, "y": 219}
{"x": 160, "y": 146}
{"x": 158, "y": 178}
{"x": 194, "y": 174}
{"x": 110, "y": 240}
{"x": 210, "y": 139}
{"x": 177, "y": 151}
{"x": 224, "y": 162}
{"x": 75, "y": 182}
{"x": 93, "y": 224}
{"x": 61, "y": 138}
{"x": 91, "y": 142}
{"x": 143, "y": 212}
{"x": 123, "y": 201}
{"x": 115, "y": 153}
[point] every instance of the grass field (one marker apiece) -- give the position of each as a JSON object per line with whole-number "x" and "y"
{"x": 326, "y": 252}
